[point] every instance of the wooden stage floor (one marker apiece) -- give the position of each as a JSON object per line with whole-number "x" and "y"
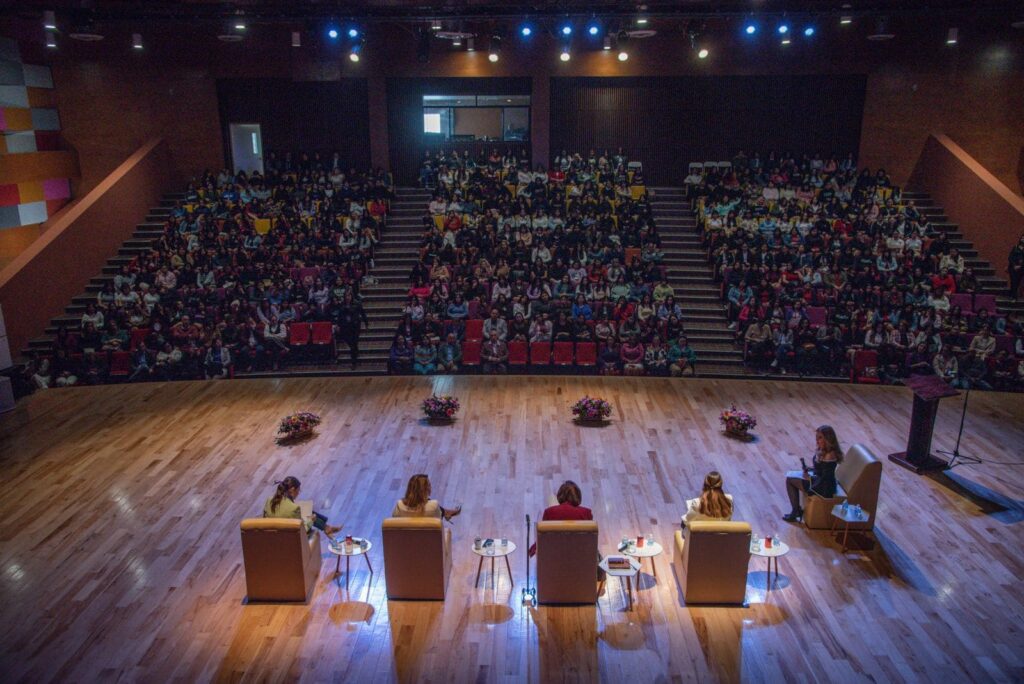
{"x": 121, "y": 557}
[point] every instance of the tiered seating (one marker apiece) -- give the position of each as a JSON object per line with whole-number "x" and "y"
{"x": 563, "y": 264}
{"x": 269, "y": 265}
{"x": 846, "y": 272}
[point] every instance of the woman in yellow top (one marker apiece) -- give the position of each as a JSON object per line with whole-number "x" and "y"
{"x": 282, "y": 505}
{"x": 417, "y": 502}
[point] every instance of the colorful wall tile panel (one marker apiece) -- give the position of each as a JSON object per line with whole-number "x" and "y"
{"x": 29, "y": 123}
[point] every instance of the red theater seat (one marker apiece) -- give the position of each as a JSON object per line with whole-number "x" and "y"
{"x": 562, "y": 354}
{"x": 540, "y": 354}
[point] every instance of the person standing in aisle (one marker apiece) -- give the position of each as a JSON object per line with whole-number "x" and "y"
{"x": 348, "y": 319}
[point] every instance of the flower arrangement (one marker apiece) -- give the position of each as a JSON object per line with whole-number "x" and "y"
{"x": 297, "y": 425}
{"x": 737, "y": 422}
{"x": 441, "y": 408}
{"x": 591, "y": 409}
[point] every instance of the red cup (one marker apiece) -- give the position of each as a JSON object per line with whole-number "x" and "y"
{"x": 767, "y": 542}
{"x": 640, "y": 541}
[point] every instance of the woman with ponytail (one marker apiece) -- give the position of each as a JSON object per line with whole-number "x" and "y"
{"x": 712, "y": 504}
{"x": 282, "y": 505}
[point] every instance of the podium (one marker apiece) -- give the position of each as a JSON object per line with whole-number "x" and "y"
{"x": 928, "y": 391}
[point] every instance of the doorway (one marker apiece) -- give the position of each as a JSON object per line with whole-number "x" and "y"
{"x": 246, "y": 147}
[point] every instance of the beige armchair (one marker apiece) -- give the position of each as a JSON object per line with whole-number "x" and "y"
{"x": 567, "y": 561}
{"x": 282, "y": 561}
{"x": 859, "y": 477}
{"x": 711, "y": 559}
{"x": 417, "y": 558}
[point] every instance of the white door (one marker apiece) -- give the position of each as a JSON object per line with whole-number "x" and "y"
{"x": 246, "y": 147}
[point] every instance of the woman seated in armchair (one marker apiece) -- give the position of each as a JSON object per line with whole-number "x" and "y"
{"x": 282, "y": 505}
{"x": 417, "y": 502}
{"x": 712, "y": 504}
{"x": 820, "y": 478}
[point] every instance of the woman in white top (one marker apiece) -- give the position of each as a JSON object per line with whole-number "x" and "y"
{"x": 417, "y": 502}
{"x": 712, "y": 504}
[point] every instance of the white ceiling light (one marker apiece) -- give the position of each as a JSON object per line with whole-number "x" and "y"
{"x": 136, "y": 41}
{"x": 49, "y": 20}
{"x": 953, "y": 37}
{"x": 623, "y": 56}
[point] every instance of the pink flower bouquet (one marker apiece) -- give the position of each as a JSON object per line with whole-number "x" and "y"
{"x": 592, "y": 409}
{"x": 441, "y": 408}
{"x": 737, "y": 422}
{"x": 297, "y": 425}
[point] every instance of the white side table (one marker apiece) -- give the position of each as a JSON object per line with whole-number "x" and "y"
{"x": 778, "y": 549}
{"x": 650, "y": 549}
{"x": 495, "y": 550}
{"x": 339, "y": 549}
{"x": 628, "y": 574}
{"x": 848, "y": 516}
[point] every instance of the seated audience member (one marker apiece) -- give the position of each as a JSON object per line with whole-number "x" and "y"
{"x": 401, "y": 357}
{"x": 425, "y": 357}
{"x": 494, "y": 354}
{"x": 449, "y": 355}
{"x": 712, "y": 504}
{"x": 820, "y": 478}
{"x": 218, "y": 361}
{"x": 281, "y": 504}
{"x": 417, "y": 502}
{"x": 681, "y": 357}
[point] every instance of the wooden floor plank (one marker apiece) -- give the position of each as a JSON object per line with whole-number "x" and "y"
{"x": 119, "y": 511}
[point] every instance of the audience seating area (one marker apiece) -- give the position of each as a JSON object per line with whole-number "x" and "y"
{"x": 824, "y": 267}
{"x": 534, "y": 269}
{"x": 249, "y": 272}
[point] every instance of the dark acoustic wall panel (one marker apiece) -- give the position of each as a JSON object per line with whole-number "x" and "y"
{"x": 405, "y": 118}
{"x": 300, "y": 116}
{"x": 667, "y": 122}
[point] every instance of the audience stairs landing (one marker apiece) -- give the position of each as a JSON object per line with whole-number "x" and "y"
{"x": 704, "y": 320}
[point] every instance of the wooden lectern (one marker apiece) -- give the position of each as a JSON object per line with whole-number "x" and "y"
{"x": 928, "y": 390}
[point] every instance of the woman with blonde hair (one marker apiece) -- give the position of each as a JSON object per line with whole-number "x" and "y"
{"x": 417, "y": 502}
{"x": 712, "y": 504}
{"x": 820, "y": 478}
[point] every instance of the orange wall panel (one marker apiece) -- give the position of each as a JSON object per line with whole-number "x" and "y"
{"x": 17, "y": 119}
{"x": 31, "y": 191}
{"x": 42, "y": 97}
{"x": 38, "y": 166}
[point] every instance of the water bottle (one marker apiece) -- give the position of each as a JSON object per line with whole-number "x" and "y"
{"x": 846, "y": 506}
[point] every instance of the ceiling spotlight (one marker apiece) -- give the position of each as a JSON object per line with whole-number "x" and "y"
{"x": 353, "y": 32}
{"x": 783, "y": 29}
{"x": 435, "y": 25}
{"x": 845, "y": 19}
{"x": 786, "y": 41}
{"x": 641, "y": 21}
{"x": 703, "y": 53}
{"x": 493, "y": 56}
{"x": 457, "y": 41}
{"x": 953, "y": 36}
{"x": 607, "y": 43}
{"x": 593, "y": 29}
{"x": 750, "y": 29}
{"x": 355, "y": 50}
{"x": 136, "y": 41}
{"x": 526, "y": 30}
{"x": 566, "y": 30}
{"x": 332, "y": 33}
{"x": 809, "y": 31}
{"x": 565, "y": 56}
{"x": 623, "y": 56}
{"x": 51, "y": 40}
{"x": 239, "y": 23}
{"x": 296, "y": 38}
{"x": 494, "y": 52}
{"x": 49, "y": 20}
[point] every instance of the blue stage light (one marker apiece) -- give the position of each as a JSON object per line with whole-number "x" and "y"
{"x": 526, "y": 30}
{"x": 566, "y": 30}
{"x": 783, "y": 28}
{"x": 750, "y": 29}
{"x": 809, "y": 31}
{"x": 353, "y": 33}
{"x": 594, "y": 29}
{"x": 332, "y": 33}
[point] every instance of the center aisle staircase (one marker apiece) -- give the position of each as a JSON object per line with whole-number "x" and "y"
{"x": 704, "y": 321}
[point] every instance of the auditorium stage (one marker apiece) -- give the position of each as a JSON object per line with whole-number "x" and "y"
{"x": 121, "y": 556}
